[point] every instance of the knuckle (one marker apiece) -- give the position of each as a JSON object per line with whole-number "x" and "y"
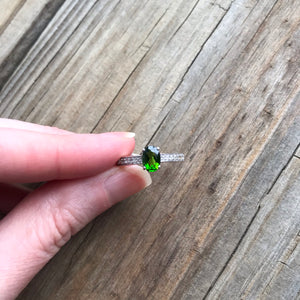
{"x": 60, "y": 226}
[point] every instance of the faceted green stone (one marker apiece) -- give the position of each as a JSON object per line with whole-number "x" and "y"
{"x": 151, "y": 158}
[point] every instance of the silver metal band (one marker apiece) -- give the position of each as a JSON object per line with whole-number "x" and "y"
{"x": 137, "y": 159}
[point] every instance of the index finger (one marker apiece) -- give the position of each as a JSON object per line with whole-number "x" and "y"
{"x": 27, "y": 156}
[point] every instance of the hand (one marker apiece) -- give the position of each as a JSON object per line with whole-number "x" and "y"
{"x": 82, "y": 182}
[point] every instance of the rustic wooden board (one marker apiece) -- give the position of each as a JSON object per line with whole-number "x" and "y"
{"x": 267, "y": 262}
{"x": 21, "y": 23}
{"x": 216, "y": 80}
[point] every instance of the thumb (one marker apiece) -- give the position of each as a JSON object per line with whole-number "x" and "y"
{"x": 45, "y": 220}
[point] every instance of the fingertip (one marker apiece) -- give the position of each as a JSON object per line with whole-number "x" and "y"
{"x": 124, "y": 181}
{"x": 141, "y": 174}
{"x": 126, "y": 139}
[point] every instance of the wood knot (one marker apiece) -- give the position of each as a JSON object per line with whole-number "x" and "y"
{"x": 218, "y": 143}
{"x": 212, "y": 187}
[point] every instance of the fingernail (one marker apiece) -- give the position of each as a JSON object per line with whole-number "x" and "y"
{"x": 130, "y": 134}
{"x": 122, "y": 134}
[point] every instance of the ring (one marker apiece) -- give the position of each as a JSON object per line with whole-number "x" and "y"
{"x": 151, "y": 158}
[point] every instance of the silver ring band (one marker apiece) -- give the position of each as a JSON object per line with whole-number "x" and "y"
{"x": 137, "y": 159}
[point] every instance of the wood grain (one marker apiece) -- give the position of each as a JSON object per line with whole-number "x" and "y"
{"x": 267, "y": 261}
{"x": 24, "y": 21}
{"x": 216, "y": 80}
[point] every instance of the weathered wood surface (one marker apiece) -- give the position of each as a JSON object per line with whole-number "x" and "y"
{"x": 216, "y": 80}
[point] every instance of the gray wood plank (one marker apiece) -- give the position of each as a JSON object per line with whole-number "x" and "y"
{"x": 266, "y": 264}
{"x": 231, "y": 227}
{"x": 22, "y": 24}
{"x": 216, "y": 80}
{"x": 101, "y": 55}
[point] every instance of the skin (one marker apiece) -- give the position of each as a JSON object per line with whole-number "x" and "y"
{"x": 82, "y": 181}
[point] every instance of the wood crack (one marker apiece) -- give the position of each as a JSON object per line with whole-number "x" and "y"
{"x": 220, "y": 6}
{"x": 65, "y": 63}
{"x": 120, "y": 90}
{"x": 185, "y": 19}
{"x": 152, "y": 30}
{"x": 195, "y": 58}
{"x": 259, "y": 29}
{"x": 159, "y": 126}
{"x": 27, "y": 41}
{"x": 233, "y": 252}
{"x": 282, "y": 170}
{"x": 284, "y": 263}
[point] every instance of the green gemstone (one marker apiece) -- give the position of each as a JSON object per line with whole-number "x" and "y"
{"x": 151, "y": 158}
